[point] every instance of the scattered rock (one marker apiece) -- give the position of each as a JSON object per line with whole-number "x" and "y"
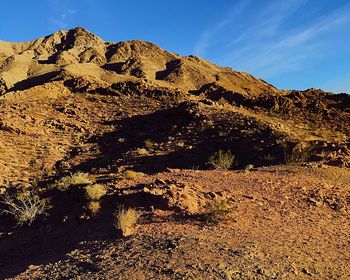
{"x": 177, "y": 196}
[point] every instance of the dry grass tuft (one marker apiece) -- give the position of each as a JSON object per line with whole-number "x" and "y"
{"x": 25, "y": 208}
{"x": 95, "y": 191}
{"x": 126, "y": 220}
{"x": 78, "y": 178}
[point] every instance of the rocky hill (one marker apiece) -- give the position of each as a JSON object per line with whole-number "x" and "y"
{"x": 166, "y": 135}
{"x": 76, "y": 53}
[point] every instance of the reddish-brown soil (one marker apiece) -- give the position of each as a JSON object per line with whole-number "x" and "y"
{"x": 289, "y": 223}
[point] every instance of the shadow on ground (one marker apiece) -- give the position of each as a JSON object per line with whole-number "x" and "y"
{"x": 183, "y": 138}
{"x": 51, "y": 238}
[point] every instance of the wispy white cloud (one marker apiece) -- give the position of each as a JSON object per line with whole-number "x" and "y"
{"x": 270, "y": 42}
{"x": 204, "y": 41}
{"x": 267, "y": 23}
{"x": 60, "y": 14}
{"x": 272, "y": 15}
{"x": 67, "y": 13}
{"x": 292, "y": 50}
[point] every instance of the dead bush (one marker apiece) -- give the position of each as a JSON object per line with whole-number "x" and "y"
{"x": 25, "y": 208}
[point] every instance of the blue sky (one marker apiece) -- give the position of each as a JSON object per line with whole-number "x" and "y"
{"x": 293, "y": 44}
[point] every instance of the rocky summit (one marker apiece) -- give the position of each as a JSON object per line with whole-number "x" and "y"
{"x": 126, "y": 161}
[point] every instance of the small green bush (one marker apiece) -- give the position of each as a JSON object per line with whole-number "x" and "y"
{"x": 222, "y": 160}
{"x": 217, "y": 211}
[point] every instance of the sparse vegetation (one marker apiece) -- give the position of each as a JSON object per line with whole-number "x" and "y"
{"x": 141, "y": 151}
{"x": 222, "y": 160}
{"x": 180, "y": 144}
{"x": 94, "y": 207}
{"x": 25, "y": 208}
{"x": 269, "y": 157}
{"x": 222, "y": 101}
{"x": 223, "y": 133}
{"x": 218, "y": 210}
{"x": 126, "y": 220}
{"x": 95, "y": 191}
{"x": 248, "y": 168}
{"x": 78, "y": 178}
{"x": 149, "y": 144}
{"x": 298, "y": 154}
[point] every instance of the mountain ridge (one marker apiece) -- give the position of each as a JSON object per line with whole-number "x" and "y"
{"x": 131, "y": 58}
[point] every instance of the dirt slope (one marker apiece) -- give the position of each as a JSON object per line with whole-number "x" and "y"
{"x": 145, "y": 123}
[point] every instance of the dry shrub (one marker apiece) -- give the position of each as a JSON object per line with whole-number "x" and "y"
{"x": 222, "y": 160}
{"x": 94, "y": 207}
{"x": 95, "y": 191}
{"x": 78, "y": 178}
{"x": 141, "y": 152}
{"x": 25, "y": 208}
{"x": 218, "y": 210}
{"x": 248, "y": 168}
{"x": 149, "y": 144}
{"x": 180, "y": 144}
{"x": 300, "y": 153}
{"x": 126, "y": 220}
